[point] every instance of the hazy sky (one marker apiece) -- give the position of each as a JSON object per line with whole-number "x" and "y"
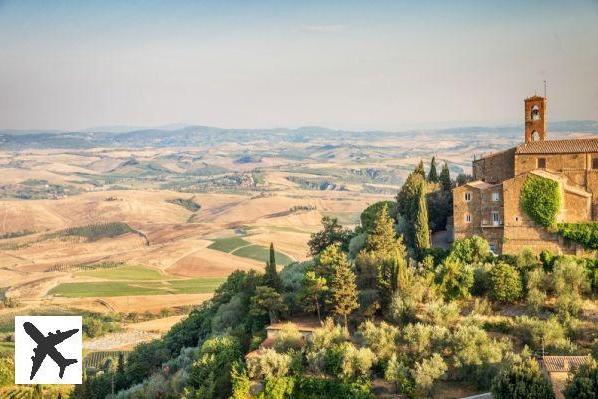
{"x": 341, "y": 64}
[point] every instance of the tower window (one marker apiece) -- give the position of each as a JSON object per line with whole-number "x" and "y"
{"x": 535, "y": 113}
{"x": 535, "y": 135}
{"x": 595, "y": 163}
{"x": 467, "y": 197}
{"x": 541, "y": 163}
{"x": 495, "y": 196}
{"x": 467, "y": 218}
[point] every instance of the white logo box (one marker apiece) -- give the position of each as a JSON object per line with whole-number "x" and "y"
{"x": 48, "y": 330}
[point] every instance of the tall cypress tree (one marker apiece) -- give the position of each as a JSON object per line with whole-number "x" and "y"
{"x": 420, "y": 169}
{"x": 420, "y": 222}
{"x": 433, "y": 174}
{"x": 271, "y": 277}
{"x": 344, "y": 290}
{"x": 445, "y": 178}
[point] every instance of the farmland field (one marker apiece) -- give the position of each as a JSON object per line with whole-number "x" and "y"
{"x": 124, "y": 273}
{"x": 228, "y": 244}
{"x": 259, "y": 253}
{"x": 126, "y": 288}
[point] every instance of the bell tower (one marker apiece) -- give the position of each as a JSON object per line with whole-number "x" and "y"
{"x": 535, "y": 119}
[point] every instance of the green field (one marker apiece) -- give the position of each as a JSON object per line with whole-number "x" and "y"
{"x": 136, "y": 273}
{"x": 228, "y": 244}
{"x": 261, "y": 254}
{"x": 344, "y": 218}
{"x": 126, "y": 288}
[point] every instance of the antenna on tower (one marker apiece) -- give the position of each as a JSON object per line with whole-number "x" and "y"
{"x": 544, "y": 88}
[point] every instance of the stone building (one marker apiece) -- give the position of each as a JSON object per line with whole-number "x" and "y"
{"x": 490, "y": 207}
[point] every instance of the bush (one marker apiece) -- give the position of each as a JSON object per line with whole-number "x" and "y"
{"x": 521, "y": 378}
{"x": 541, "y": 200}
{"x": 381, "y": 339}
{"x": 585, "y": 234}
{"x": 584, "y": 382}
{"x": 505, "y": 283}
{"x": 288, "y": 338}
{"x": 426, "y": 372}
{"x": 544, "y": 334}
{"x": 268, "y": 364}
{"x": 471, "y": 250}
{"x": 455, "y": 278}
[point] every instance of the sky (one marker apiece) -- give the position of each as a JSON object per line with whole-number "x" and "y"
{"x": 359, "y": 65}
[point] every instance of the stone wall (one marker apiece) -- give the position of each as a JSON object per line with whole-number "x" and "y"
{"x": 495, "y": 168}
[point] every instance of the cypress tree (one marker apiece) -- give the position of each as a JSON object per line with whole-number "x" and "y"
{"x": 420, "y": 223}
{"x": 420, "y": 169}
{"x": 271, "y": 278}
{"x": 382, "y": 238}
{"x": 445, "y": 178}
{"x": 344, "y": 290}
{"x": 433, "y": 174}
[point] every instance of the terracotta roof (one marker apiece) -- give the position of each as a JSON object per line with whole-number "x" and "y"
{"x": 562, "y": 363}
{"x": 482, "y": 185}
{"x": 567, "y": 146}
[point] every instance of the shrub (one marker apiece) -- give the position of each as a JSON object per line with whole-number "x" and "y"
{"x": 584, "y": 382}
{"x": 455, "y": 278}
{"x": 505, "y": 283}
{"x": 570, "y": 282}
{"x": 543, "y": 334}
{"x": 585, "y": 234}
{"x": 541, "y": 200}
{"x": 288, "y": 338}
{"x": 422, "y": 340}
{"x": 537, "y": 282}
{"x": 521, "y": 378}
{"x": 427, "y": 371}
{"x": 441, "y": 313}
{"x": 381, "y": 339}
{"x": 481, "y": 279}
{"x": 471, "y": 250}
{"x": 268, "y": 364}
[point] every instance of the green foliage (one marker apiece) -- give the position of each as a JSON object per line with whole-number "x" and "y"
{"x": 268, "y": 364}
{"x": 584, "y": 382}
{"x": 94, "y": 232}
{"x": 420, "y": 221}
{"x": 540, "y": 335}
{"x": 7, "y": 371}
{"x": 476, "y": 355}
{"x": 445, "y": 178}
{"x": 570, "y": 282}
{"x": 426, "y": 372}
{"x": 381, "y": 339}
{"x": 381, "y": 238}
{"x": 440, "y": 207}
{"x": 399, "y": 374}
{"x": 537, "y": 283}
{"x": 420, "y": 169}
{"x": 585, "y": 234}
{"x": 541, "y": 200}
{"x": 210, "y": 375}
{"x": 505, "y": 283}
{"x": 521, "y": 379}
{"x": 188, "y": 204}
{"x": 433, "y": 174}
{"x": 343, "y": 290}
{"x": 267, "y": 301}
{"x": 311, "y": 294}
{"x": 455, "y": 278}
{"x": 271, "y": 278}
{"x": 471, "y": 250}
{"x": 333, "y": 233}
{"x": 370, "y": 214}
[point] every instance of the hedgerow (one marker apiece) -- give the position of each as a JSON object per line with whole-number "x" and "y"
{"x": 541, "y": 200}
{"x": 585, "y": 234}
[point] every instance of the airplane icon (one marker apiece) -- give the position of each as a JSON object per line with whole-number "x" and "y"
{"x": 46, "y": 345}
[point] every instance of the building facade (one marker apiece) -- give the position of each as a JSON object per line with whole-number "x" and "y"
{"x": 489, "y": 206}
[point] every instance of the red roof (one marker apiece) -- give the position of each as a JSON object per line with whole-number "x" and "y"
{"x": 567, "y": 146}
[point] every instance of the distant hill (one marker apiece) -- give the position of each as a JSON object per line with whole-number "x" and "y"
{"x": 181, "y": 135}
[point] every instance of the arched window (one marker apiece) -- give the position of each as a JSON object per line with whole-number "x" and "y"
{"x": 535, "y": 113}
{"x": 535, "y": 136}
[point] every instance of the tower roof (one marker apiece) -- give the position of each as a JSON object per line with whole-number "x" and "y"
{"x": 535, "y": 97}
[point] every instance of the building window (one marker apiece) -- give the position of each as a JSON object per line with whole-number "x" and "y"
{"x": 493, "y": 248}
{"x": 467, "y": 197}
{"x": 541, "y": 163}
{"x": 495, "y": 218}
{"x": 516, "y": 218}
{"x": 467, "y": 218}
{"x": 495, "y": 196}
{"x": 595, "y": 163}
